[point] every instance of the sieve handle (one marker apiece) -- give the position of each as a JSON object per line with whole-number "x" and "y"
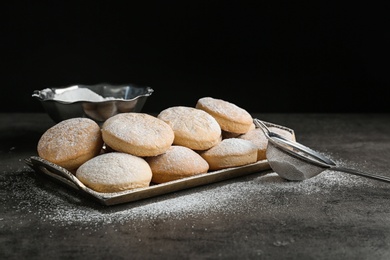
{"x": 359, "y": 173}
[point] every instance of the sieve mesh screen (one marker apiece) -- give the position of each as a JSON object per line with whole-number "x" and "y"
{"x": 290, "y": 167}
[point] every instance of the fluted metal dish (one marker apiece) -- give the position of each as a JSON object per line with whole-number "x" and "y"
{"x": 117, "y": 99}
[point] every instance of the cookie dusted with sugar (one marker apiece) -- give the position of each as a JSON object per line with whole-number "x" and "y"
{"x": 176, "y": 163}
{"x": 233, "y": 135}
{"x": 231, "y": 118}
{"x": 137, "y": 134}
{"x": 193, "y": 128}
{"x": 284, "y": 133}
{"x": 231, "y": 152}
{"x": 258, "y": 138}
{"x": 113, "y": 172}
{"x": 71, "y": 142}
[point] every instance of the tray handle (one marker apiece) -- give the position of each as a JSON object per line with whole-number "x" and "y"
{"x": 58, "y": 171}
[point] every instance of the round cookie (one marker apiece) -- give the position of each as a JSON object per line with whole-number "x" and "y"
{"x": 113, "y": 172}
{"x": 284, "y": 133}
{"x": 193, "y": 128}
{"x": 71, "y": 142}
{"x": 233, "y": 135}
{"x": 137, "y": 134}
{"x": 176, "y": 163}
{"x": 230, "y": 117}
{"x": 230, "y": 152}
{"x": 258, "y": 138}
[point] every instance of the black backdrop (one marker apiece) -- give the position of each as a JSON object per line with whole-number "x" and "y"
{"x": 265, "y": 57}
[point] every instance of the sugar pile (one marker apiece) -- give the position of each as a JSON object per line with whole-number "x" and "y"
{"x": 79, "y": 94}
{"x": 264, "y": 191}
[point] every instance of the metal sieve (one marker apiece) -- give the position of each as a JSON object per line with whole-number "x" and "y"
{"x": 296, "y": 162}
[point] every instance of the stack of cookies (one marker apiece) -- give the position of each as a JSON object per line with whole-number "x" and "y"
{"x": 141, "y": 149}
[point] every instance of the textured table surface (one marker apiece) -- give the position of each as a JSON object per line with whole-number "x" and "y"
{"x": 260, "y": 216}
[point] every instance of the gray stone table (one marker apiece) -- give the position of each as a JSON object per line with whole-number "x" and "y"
{"x": 260, "y": 216}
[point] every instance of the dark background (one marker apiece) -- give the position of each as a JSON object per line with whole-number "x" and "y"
{"x": 261, "y": 55}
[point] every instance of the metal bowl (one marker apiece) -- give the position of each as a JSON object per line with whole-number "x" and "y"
{"x": 102, "y": 102}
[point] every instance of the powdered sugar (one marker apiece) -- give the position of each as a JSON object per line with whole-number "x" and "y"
{"x": 265, "y": 192}
{"x": 79, "y": 94}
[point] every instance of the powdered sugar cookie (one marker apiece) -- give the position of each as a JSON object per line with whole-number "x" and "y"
{"x": 233, "y": 135}
{"x": 138, "y": 134}
{"x": 71, "y": 142}
{"x": 258, "y": 138}
{"x": 284, "y": 133}
{"x": 176, "y": 163}
{"x": 230, "y": 117}
{"x": 113, "y": 172}
{"x": 193, "y": 128}
{"x": 230, "y": 152}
